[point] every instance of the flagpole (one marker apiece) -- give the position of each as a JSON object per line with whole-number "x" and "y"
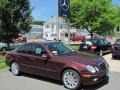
{"x": 69, "y": 26}
{"x": 68, "y": 31}
{"x": 57, "y": 24}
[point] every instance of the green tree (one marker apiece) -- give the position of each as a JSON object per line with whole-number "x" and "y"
{"x": 93, "y": 15}
{"x": 15, "y": 18}
{"x": 38, "y": 22}
{"x": 117, "y": 17}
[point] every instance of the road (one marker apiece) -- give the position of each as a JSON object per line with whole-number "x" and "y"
{"x": 31, "y": 82}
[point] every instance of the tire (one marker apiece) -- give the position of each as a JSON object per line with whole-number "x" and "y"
{"x": 71, "y": 79}
{"x": 15, "y": 69}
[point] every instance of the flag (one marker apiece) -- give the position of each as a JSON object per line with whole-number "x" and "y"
{"x": 64, "y": 8}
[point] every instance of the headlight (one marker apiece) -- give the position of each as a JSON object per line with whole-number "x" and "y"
{"x": 97, "y": 69}
{"x": 90, "y": 68}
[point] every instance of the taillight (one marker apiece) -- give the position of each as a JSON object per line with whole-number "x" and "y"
{"x": 113, "y": 48}
{"x": 93, "y": 47}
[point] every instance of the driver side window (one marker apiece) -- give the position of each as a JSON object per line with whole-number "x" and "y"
{"x": 38, "y": 50}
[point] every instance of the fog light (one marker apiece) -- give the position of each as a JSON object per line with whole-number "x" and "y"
{"x": 95, "y": 79}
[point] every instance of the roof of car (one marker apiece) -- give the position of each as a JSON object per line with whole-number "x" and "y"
{"x": 43, "y": 42}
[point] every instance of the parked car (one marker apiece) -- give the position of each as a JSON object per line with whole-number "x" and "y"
{"x": 3, "y": 46}
{"x": 95, "y": 46}
{"x": 77, "y": 38}
{"x": 57, "y": 61}
{"x": 116, "y": 49}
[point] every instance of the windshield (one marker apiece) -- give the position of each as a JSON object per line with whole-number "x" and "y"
{"x": 59, "y": 48}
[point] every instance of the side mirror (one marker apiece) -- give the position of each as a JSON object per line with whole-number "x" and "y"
{"x": 46, "y": 56}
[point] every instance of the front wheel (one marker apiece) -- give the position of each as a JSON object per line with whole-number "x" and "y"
{"x": 71, "y": 79}
{"x": 15, "y": 68}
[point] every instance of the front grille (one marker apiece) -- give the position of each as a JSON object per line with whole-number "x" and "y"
{"x": 102, "y": 66}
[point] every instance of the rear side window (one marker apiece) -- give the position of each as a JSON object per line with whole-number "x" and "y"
{"x": 103, "y": 42}
{"x": 27, "y": 48}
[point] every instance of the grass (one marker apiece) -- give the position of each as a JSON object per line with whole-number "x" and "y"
{"x": 74, "y": 46}
{"x": 2, "y": 63}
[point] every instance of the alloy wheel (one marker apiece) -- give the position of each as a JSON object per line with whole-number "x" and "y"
{"x": 71, "y": 79}
{"x": 15, "y": 68}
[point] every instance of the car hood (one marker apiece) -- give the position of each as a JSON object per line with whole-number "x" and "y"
{"x": 82, "y": 57}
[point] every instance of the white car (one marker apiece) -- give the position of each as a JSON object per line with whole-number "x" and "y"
{"x": 3, "y": 46}
{"x": 50, "y": 37}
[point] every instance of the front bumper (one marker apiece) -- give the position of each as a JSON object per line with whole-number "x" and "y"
{"x": 94, "y": 79}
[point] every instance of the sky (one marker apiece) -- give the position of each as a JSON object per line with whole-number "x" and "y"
{"x": 43, "y": 10}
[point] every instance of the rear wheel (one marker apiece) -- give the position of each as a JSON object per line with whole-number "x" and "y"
{"x": 15, "y": 68}
{"x": 71, "y": 79}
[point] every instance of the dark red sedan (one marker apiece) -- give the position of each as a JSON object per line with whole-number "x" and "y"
{"x": 57, "y": 61}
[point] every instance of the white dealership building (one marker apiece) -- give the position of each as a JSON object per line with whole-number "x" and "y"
{"x": 51, "y": 27}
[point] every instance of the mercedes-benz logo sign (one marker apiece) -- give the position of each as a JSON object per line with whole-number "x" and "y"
{"x": 64, "y": 4}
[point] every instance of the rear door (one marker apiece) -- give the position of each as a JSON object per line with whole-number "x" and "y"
{"x": 30, "y": 59}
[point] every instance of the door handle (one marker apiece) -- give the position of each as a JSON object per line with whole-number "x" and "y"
{"x": 19, "y": 56}
{"x": 32, "y": 58}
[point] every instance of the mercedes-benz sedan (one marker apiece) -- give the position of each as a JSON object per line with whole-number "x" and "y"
{"x": 95, "y": 46}
{"x": 57, "y": 61}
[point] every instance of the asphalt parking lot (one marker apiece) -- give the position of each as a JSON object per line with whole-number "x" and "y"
{"x": 31, "y": 82}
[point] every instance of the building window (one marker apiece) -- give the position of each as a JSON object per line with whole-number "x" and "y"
{"x": 61, "y": 26}
{"x": 66, "y": 34}
{"x": 52, "y": 26}
{"x": 46, "y": 35}
{"x": 47, "y": 26}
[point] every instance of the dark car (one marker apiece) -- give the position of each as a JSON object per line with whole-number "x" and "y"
{"x": 57, "y": 61}
{"x": 116, "y": 49}
{"x": 96, "y": 46}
